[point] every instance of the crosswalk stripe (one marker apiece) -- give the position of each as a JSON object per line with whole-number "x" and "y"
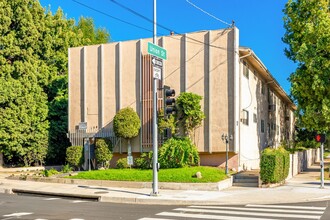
{"x": 248, "y": 213}
{"x": 154, "y": 219}
{"x": 203, "y": 216}
{"x": 259, "y": 209}
{"x": 286, "y": 207}
{"x": 51, "y": 199}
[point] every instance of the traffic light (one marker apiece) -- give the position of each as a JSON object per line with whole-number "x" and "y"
{"x": 320, "y": 138}
{"x": 169, "y": 101}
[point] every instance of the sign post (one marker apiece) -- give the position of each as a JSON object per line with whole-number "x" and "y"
{"x": 161, "y": 53}
{"x": 155, "y": 165}
{"x": 321, "y": 138}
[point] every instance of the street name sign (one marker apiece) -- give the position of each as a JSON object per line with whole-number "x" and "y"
{"x": 157, "y": 51}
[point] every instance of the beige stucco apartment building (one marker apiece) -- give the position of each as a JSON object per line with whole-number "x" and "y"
{"x": 240, "y": 96}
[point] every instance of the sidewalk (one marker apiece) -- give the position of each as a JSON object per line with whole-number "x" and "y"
{"x": 301, "y": 188}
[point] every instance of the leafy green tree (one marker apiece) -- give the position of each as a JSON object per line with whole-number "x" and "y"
{"x": 33, "y": 79}
{"x": 189, "y": 112}
{"x": 307, "y": 24}
{"x": 23, "y": 104}
{"x": 88, "y": 34}
{"x": 126, "y": 124}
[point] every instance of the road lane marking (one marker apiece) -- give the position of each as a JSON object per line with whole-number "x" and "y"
{"x": 287, "y": 207}
{"x": 248, "y": 213}
{"x": 259, "y": 209}
{"x": 217, "y": 217}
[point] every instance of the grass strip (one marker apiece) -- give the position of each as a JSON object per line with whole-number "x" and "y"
{"x": 183, "y": 175}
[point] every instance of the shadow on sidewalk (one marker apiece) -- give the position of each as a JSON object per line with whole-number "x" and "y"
{"x": 114, "y": 190}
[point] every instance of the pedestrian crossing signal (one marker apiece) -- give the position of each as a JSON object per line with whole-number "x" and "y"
{"x": 320, "y": 138}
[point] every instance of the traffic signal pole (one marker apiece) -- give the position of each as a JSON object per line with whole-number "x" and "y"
{"x": 322, "y": 165}
{"x": 155, "y": 166}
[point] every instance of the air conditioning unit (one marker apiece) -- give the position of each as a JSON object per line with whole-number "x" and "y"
{"x": 272, "y": 108}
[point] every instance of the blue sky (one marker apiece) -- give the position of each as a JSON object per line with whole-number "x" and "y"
{"x": 260, "y": 23}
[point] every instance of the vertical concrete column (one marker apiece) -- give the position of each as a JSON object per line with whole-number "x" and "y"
{"x": 236, "y": 92}
{"x": 184, "y": 89}
{"x": 210, "y": 84}
{"x": 84, "y": 92}
{"x": 119, "y": 77}
{"x": 139, "y": 59}
{"x": 100, "y": 86}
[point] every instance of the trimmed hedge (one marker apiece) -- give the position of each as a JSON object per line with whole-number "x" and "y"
{"x": 274, "y": 165}
{"x": 75, "y": 156}
{"x": 177, "y": 153}
{"x": 103, "y": 153}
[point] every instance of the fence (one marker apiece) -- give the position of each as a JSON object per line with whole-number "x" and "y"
{"x": 301, "y": 161}
{"x": 77, "y": 137}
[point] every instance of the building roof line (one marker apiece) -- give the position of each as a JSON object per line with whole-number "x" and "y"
{"x": 273, "y": 80}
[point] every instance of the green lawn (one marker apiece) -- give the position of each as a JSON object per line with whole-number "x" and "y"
{"x": 184, "y": 175}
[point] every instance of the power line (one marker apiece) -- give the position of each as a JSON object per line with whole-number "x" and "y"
{"x": 118, "y": 19}
{"x": 142, "y": 16}
{"x": 138, "y": 14}
{"x": 162, "y": 26}
{"x": 208, "y": 13}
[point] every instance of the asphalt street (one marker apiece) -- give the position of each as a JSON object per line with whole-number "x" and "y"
{"x": 47, "y": 208}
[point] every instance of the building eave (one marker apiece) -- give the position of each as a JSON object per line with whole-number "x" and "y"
{"x": 268, "y": 78}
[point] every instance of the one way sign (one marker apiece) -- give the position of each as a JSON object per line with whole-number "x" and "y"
{"x": 157, "y": 62}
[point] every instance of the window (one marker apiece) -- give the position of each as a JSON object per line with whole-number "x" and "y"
{"x": 245, "y": 117}
{"x": 262, "y": 126}
{"x": 245, "y": 69}
{"x": 255, "y": 118}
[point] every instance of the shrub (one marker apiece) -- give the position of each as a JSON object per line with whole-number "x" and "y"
{"x": 66, "y": 168}
{"x": 274, "y": 165}
{"x": 126, "y": 123}
{"x": 122, "y": 163}
{"x": 144, "y": 161}
{"x": 48, "y": 173}
{"x": 75, "y": 156}
{"x": 178, "y": 152}
{"x": 102, "y": 152}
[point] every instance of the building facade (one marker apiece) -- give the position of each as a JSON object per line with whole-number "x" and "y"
{"x": 241, "y": 99}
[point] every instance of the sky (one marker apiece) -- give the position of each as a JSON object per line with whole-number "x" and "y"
{"x": 260, "y": 23}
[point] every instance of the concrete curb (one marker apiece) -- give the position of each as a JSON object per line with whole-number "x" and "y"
{"x": 56, "y": 194}
{"x": 129, "y": 184}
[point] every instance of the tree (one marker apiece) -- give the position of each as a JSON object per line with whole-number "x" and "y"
{"x": 189, "y": 112}
{"x": 23, "y": 123}
{"x": 307, "y": 24}
{"x": 126, "y": 124}
{"x": 33, "y": 79}
{"x": 88, "y": 34}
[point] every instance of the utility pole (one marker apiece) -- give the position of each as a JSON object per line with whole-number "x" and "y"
{"x": 155, "y": 165}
